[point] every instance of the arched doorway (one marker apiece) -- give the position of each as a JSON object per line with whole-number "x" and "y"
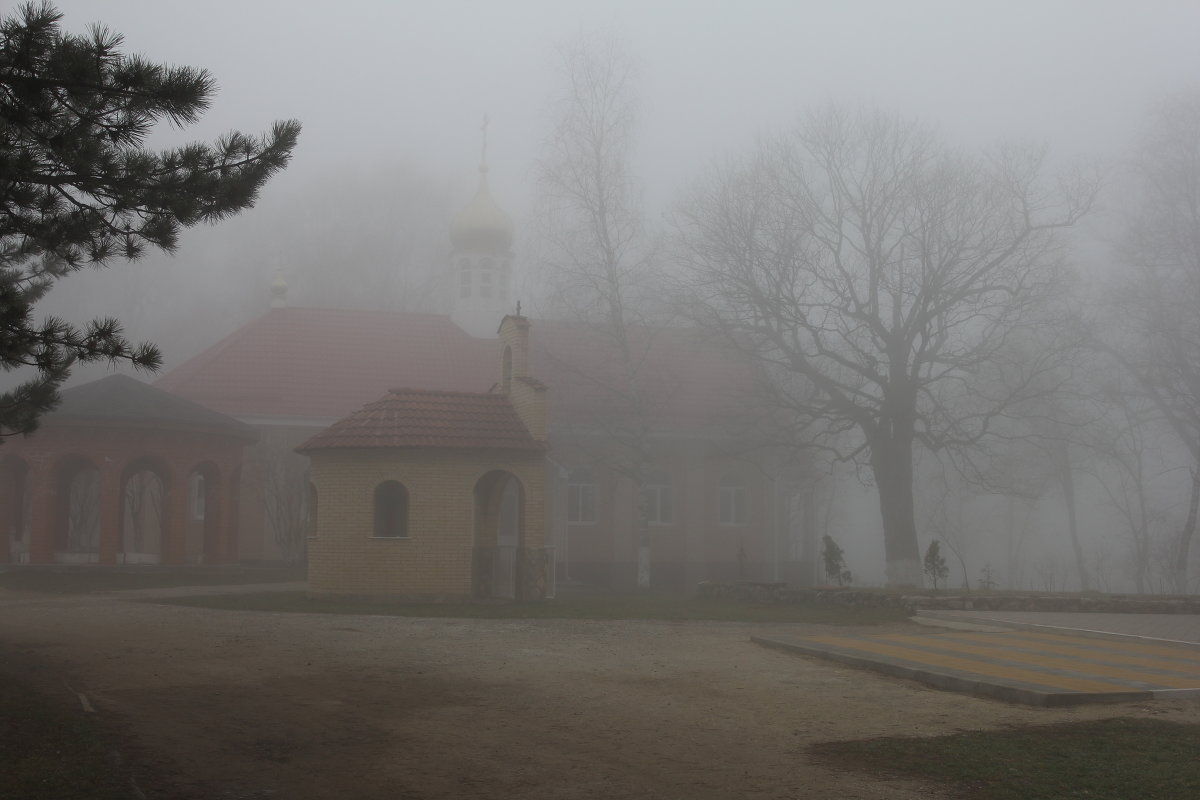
{"x": 202, "y": 534}
{"x": 143, "y": 501}
{"x": 499, "y": 536}
{"x": 15, "y": 496}
{"x": 77, "y": 532}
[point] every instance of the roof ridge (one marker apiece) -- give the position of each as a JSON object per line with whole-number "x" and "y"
{"x": 425, "y": 418}
{"x": 438, "y": 392}
{"x": 208, "y": 355}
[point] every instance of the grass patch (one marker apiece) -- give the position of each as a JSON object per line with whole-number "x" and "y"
{"x": 1112, "y": 759}
{"x": 599, "y": 606}
{"x": 51, "y": 749}
{"x": 86, "y": 580}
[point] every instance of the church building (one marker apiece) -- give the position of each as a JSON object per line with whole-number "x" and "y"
{"x": 407, "y": 450}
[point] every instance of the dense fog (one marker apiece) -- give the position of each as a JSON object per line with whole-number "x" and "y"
{"x": 392, "y": 97}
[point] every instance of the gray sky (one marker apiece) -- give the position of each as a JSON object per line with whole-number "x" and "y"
{"x": 389, "y": 89}
{"x": 377, "y": 81}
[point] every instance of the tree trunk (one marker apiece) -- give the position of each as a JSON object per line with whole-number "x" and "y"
{"x": 1068, "y": 487}
{"x": 1185, "y": 536}
{"x": 641, "y": 530}
{"x": 891, "y": 463}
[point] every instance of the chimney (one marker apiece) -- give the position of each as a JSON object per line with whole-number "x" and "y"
{"x": 526, "y": 393}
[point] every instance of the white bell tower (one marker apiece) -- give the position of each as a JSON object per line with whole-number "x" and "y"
{"x": 481, "y": 259}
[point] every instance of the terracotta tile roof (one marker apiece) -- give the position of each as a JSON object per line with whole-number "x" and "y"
{"x": 307, "y": 363}
{"x": 318, "y": 363}
{"x": 688, "y": 382}
{"x": 424, "y": 418}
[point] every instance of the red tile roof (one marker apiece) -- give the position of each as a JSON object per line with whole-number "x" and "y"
{"x": 687, "y": 382}
{"x": 317, "y": 363}
{"x": 322, "y": 364}
{"x": 424, "y": 418}
{"x": 125, "y": 401}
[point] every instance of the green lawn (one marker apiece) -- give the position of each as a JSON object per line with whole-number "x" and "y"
{"x": 85, "y": 580}
{"x": 607, "y": 606}
{"x": 1112, "y": 759}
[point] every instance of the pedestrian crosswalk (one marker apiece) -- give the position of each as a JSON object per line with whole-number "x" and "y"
{"x": 1021, "y": 666}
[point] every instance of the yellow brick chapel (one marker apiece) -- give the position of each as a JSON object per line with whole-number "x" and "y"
{"x": 438, "y": 495}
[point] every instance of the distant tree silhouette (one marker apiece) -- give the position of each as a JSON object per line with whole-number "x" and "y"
{"x": 935, "y": 564}
{"x": 835, "y": 562}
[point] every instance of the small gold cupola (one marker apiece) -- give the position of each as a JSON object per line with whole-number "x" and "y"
{"x": 481, "y": 259}
{"x": 482, "y": 224}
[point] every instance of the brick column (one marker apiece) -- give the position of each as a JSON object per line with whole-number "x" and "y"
{"x": 10, "y": 498}
{"x": 694, "y": 497}
{"x": 43, "y": 513}
{"x": 231, "y": 517}
{"x": 175, "y": 518}
{"x": 111, "y": 496}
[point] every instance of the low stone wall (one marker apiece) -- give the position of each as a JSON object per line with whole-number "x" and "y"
{"x": 877, "y": 598}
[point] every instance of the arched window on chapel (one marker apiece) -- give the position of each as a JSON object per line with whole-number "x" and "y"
{"x": 391, "y": 510}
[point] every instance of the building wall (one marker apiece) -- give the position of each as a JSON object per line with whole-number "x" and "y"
{"x": 275, "y": 450}
{"x": 695, "y": 546}
{"x": 116, "y": 453}
{"x": 435, "y": 559}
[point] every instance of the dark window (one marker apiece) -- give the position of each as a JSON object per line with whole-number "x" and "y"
{"x": 310, "y": 512}
{"x": 732, "y": 496}
{"x": 391, "y": 510}
{"x": 656, "y": 498}
{"x": 464, "y": 277}
{"x": 581, "y": 496}
{"x": 199, "y": 496}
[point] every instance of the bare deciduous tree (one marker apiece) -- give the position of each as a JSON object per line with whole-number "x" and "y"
{"x": 883, "y": 279}
{"x": 284, "y": 478}
{"x": 1125, "y": 470}
{"x": 1156, "y": 330}
{"x": 595, "y": 255}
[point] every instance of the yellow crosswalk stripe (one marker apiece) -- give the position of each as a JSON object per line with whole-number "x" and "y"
{"x": 1126, "y": 645}
{"x": 921, "y": 655}
{"x": 997, "y": 650}
{"x": 1175, "y": 661}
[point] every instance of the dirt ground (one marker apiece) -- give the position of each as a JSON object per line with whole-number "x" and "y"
{"x": 255, "y": 705}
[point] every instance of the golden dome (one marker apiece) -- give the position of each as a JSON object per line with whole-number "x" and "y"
{"x": 482, "y": 224}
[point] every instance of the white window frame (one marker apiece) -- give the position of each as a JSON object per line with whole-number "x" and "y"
{"x": 581, "y": 496}
{"x": 657, "y": 496}
{"x": 731, "y": 501}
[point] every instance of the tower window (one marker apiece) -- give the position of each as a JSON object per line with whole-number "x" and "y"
{"x": 464, "y": 283}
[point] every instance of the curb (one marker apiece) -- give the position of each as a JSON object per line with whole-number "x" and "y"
{"x": 995, "y": 623}
{"x": 955, "y": 683}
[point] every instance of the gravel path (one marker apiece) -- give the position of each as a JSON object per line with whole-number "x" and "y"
{"x": 257, "y": 705}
